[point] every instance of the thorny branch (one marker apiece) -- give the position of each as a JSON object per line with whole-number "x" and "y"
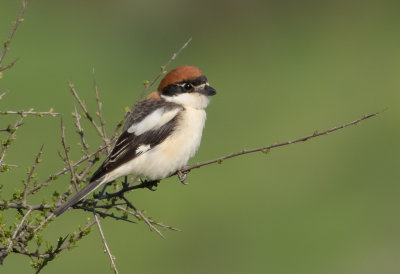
{"x": 30, "y": 175}
{"x": 163, "y": 70}
{"x": 11, "y": 36}
{"x": 24, "y": 113}
{"x": 67, "y": 160}
{"x": 9, "y": 139}
{"x": 80, "y": 130}
{"x": 105, "y": 244}
{"x": 219, "y": 160}
{"x": 266, "y": 149}
{"x": 100, "y": 114}
{"x": 88, "y": 116}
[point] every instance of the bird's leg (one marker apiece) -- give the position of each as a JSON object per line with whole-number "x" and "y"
{"x": 125, "y": 183}
{"x": 182, "y": 176}
{"x": 101, "y": 193}
{"x": 149, "y": 184}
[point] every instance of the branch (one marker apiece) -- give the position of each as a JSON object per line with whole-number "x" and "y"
{"x": 18, "y": 228}
{"x": 100, "y": 113}
{"x": 102, "y": 213}
{"x": 24, "y": 113}
{"x": 146, "y": 184}
{"x": 65, "y": 170}
{"x": 7, "y": 143}
{"x": 80, "y": 130}
{"x": 6, "y": 204}
{"x": 5, "y": 251}
{"x": 105, "y": 244}
{"x": 88, "y": 116}
{"x": 266, "y": 149}
{"x": 163, "y": 70}
{"x": 30, "y": 175}
{"x": 140, "y": 217}
{"x": 11, "y": 36}
{"x": 73, "y": 177}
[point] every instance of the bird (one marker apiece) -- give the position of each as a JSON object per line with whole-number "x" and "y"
{"x": 160, "y": 134}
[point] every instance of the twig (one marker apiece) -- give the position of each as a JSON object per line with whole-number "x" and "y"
{"x": 29, "y": 112}
{"x": 7, "y": 129}
{"x": 10, "y": 65}
{"x": 11, "y": 128}
{"x": 137, "y": 215}
{"x": 61, "y": 245}
{"x": 105, "y": 244}
{"x": 6, "y": 144}
{"x": 102, "y": 213}
{"x": 163, "y": 69}
{"x": 65, "y": 170}
{"x": 21, "y": 223}
{"x": 114, "y": 136}
{"x": 43, "y": 223}
{"x": 8, "y": 165}
{"x": 148, "y": 85}
{"x": 2, "y": 95}
{"x": 80, "y": 130}
{"x": 30, "y": 175}
{"x": 11, "y": 35}
{"x": 31, "y": 254}
{"x": 142, "y": 216}
{"x": 40, "y": 207}
{"x": 100, "y": 112}
{"x": 67, "y": 157}
{"x": 151, "y": 226}
{"x": 267, "y": 148}
{"x": 84, "y": 172}
{"x": 125, "y": 188}
{"x": 17, "y": 229}
{"x": 88, "y": 116}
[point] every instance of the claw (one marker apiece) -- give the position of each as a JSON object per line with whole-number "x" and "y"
{"x": 182, "y": 176}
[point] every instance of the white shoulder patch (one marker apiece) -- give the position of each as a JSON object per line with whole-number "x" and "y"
{"x": 153, "y": 121}
{"x": 142, "y": 149}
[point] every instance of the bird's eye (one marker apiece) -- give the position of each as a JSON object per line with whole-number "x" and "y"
{"x": 187, "y": 86}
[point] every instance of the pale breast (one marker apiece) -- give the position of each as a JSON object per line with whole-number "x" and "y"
{"x": 176, "y": 150}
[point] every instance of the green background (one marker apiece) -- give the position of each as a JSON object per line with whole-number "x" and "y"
{"x": 282, "y": 69}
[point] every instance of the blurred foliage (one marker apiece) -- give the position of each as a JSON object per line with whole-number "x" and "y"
{"x": 282, "y": 69}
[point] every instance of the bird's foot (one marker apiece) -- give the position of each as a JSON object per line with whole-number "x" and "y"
{"x": 150, "y": 184}
{"x": 182, "y": 176}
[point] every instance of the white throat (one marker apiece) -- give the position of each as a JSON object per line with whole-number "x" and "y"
{"x": 194, "y": 100}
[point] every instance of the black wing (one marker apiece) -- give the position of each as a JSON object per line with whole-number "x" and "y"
{"x": 144, "y": 108}
{"x": 127, "y": 144}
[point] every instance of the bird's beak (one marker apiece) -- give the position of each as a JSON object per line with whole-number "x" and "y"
{"x": 208, "y": 91}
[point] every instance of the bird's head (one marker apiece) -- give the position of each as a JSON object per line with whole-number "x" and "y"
{"x": 187, "y": 86}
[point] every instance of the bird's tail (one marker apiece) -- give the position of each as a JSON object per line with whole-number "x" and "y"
{"x": 79, "y": 196}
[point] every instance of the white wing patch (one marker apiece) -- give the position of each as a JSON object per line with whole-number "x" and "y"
{"x": 142, "y": 149}
{"x": 153, "y": 121}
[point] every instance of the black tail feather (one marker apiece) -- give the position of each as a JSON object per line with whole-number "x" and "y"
{"x": 78, "y": 196}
